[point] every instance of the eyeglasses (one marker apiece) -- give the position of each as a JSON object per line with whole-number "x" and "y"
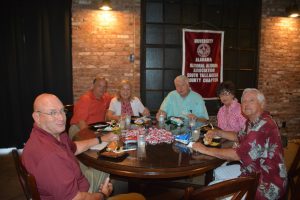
{"x": 225, "y": 93}
{"x": 54, "y": 113}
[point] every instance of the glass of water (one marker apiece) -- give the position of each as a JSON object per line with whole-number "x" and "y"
{"x": 127, "y": 121}
{"x": 141, "y": 140}
{"x": 192, "y": 122}
{"x": 122, "y": 122}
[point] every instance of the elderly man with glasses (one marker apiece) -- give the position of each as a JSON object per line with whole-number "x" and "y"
{"x": 49, "y": 155}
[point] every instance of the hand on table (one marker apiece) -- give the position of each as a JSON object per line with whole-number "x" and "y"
{"x": 160, "y": 112}
{"x": 191, "y": 116}
{"x": 199, "y": 147}
{"x": 146, "y": 112}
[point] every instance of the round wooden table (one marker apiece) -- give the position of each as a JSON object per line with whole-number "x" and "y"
{"x": 161, "y": 161}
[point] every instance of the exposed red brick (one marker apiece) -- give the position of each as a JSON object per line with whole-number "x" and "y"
{"x": 104, "y": 48}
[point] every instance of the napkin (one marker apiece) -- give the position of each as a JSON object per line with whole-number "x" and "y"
{"x": 190, "y": 145}
{"x": 99, "y": 146}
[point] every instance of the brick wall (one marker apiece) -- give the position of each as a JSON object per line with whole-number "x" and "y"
{"x": 102, "y": 43}
{"x": 279, "y": 66}
{"x": 103, "y": 48}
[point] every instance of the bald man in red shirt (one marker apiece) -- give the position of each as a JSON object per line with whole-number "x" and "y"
{"x": 91, "y": 107}
{"x": 49, "y": 155}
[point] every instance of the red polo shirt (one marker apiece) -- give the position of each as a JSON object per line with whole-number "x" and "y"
{"x": 53, "y": 165}
{"x": 90, "y": 109}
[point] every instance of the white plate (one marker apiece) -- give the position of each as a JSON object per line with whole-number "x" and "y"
{"x": 99, "y": 146}
{"x": 100, "y": 125}
{"x": 109, "y": 128}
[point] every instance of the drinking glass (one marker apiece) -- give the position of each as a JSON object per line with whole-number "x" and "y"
{"x": 141, "y": 153}
{"x": 192, "y": 122}
{"x": 122, "y": 122}
{"x": 196, "y": 135}
{"x": 141, "y": 140}
{"x": 127, "y": 121}
{"x": 161, "y": 120}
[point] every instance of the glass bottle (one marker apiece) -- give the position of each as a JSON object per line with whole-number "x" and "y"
{"x": 161, "y": 121}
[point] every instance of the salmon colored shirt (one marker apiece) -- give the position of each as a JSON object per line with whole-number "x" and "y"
{"x": 90, "y": 109}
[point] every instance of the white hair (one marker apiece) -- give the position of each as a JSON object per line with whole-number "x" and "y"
{"x": 260, "y": 96}
{"x": 182, "y": 78}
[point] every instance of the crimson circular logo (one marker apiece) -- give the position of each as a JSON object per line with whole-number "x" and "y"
{"x": 203, "y": 50}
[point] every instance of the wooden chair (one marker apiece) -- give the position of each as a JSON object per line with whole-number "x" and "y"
{"x": 236, "y": 188}
{"x": 69, "y": 114}
{"x": 294, "y": 177}
{"x": 27, "y": 180}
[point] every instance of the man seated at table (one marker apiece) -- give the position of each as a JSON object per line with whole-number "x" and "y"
{"x": 183, "y": 102}
{"x": 91, "y": 106}
{"x": 49, "y": 155}
{"x": 258, "y": 148}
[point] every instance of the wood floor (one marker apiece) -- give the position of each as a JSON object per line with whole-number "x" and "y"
{"x": 10, "y": 188}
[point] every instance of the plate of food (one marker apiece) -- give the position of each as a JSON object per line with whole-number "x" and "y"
{"x": 114, "y": 151}
{"x": 177, "y": 121}
{"x": 205, "y": 128}
{"x": 212, "y": 142}
{"x": 141, "y": 120}
{"x": 113, "y": 156}
{"x": 99, "y": 125}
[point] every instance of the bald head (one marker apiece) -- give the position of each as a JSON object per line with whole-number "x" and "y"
{"x": 44, "y": 100}
{"x": 48, "y": 114}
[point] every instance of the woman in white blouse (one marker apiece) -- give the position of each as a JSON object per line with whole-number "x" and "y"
{"x": 125, "y": 104}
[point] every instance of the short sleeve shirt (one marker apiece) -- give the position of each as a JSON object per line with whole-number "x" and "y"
{"x": 260, "y": 150}
{"x": 136, "y": 106}
{"x": 175, "y": 105}
{"x": 231, "y": 118}
{"x": 90, "y": 109}
{"x": 54, "y": 166}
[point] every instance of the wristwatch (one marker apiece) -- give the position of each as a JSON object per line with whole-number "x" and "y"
{"x": 103, "y": 195}
{"x": 99, "y": 139}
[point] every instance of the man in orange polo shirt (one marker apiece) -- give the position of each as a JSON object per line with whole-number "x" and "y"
{"x": 91, "y": 106}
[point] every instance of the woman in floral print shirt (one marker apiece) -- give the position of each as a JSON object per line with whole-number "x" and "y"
{"x": 259, "y": 147}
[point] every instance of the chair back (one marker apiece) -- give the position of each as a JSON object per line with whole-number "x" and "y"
{"x": 26, "y": 179}
{"x": 69, "y": 114}
{"x": 234, "y": 188}
{"x": 294, "y": 177}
